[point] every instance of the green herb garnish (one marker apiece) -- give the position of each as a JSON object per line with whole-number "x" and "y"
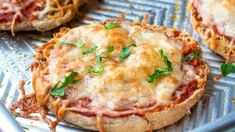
{"x": 99, "y": 59}
{"x": 59, "y": 88}
{"x": 111, "y": 25}
{"x": 96, "y": 69}
{"x": 126, "y": 51}
{"x": 110, "y": 49}
{"x": 165, "y": 60}
{"x": 78, "y": 44}
{"x": 193, "y": 55}
{"x": 99, "y": 68}
{"x": 227, "y": 68}
{"x": 165, "y": 70}
{"x": 89, "y": 50}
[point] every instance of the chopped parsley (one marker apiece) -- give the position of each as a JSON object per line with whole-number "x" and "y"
{"x": 165, "y": 70}
{"x": 99, "y": 59}
{"x": 110, "y": 49}
{"x": 76, "y": 43}
{"x": 193, "y": 55}
{"x": 96, "y": 69}
{"x": 165, "y": 60}
{"x": 227, "y": 68}
{"x": 126, "y": 51}
{"x": 99, "y": 68}
{"x": 111, "y": 25}
{"x": 59, "y": 88}
{"x": 89, "y": 50}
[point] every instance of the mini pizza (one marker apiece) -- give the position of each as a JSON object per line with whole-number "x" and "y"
{"x": 214, "y": 20}
{"x": 41, "y": 15}
{"x": 119, "y": 76}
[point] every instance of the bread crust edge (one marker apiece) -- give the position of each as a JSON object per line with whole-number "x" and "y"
{"x": 222, "y": 43}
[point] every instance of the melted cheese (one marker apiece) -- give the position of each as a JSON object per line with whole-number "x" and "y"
{"x": 51, "y": 9}
{"x": 123, "y": 85}
{"x": 60, "y": 7}
{"x": 218, "y": 12}
{"x": 16, "y": 7}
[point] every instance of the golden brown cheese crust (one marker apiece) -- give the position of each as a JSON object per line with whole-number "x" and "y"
{"x": 217, "y": 42}
{"x": 108, "y": 91}
{"x": 49, "y": 17}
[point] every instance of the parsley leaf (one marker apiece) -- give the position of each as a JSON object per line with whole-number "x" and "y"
{"x": 165, "y": 60}
{"x": 193, "y": 55}
{"x": 227, "y": 68}
{"x": 59, "y": 88}
{"x": 111, "y": 25}
{"x": 126, "y": 51}
{"x": 156, "y": 74}
{"x": 110, "y": 49}
{"x": 97, "y": 69}
{"x": 99, "y": 59}
{"x": 165, "y": 70}
{"x": 89, "y": 50}
{"x": 78, "y": 44}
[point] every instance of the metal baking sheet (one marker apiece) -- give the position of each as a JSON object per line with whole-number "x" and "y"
{"x": 16, "y": 55}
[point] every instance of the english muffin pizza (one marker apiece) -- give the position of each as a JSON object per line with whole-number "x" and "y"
{"x": 119, "y": 76}
{"x": 41, "y": 15}
{"x": 214, "y": 20}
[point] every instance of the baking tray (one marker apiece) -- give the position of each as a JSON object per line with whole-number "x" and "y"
{"x": 16, "y": 55}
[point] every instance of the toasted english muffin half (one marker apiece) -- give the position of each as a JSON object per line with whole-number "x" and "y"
{"x": 119, "y": 76}
{"x": 215, "y": 22}
{"x": 41, "y": 15}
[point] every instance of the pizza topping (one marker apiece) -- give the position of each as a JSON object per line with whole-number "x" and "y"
{"x": 109, "y": 89}
{"x": 99, "y": 68}
{"x": 227, "y": 68}
{"x": 19, "y": 11}
{"x": 160, "y": 71}
{"x": 16, "y": 12}
{"x": 110, "y": 49}
{"x": 122, "y": 89}
{"x": 192, "y": 55}
{"x": 76, "y": 43}
{"x": 59, "y": 88}
{"x": 89, "y": 50}
{"x": 126, "y": 52}
{"x": 99, "y": 59}
{"x": 219, "y": 14}
{"x": 111, "y": 25}
{"x": 33, "y": 13}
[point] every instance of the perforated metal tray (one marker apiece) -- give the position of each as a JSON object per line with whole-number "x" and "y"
{"x": 16, "y": 55}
